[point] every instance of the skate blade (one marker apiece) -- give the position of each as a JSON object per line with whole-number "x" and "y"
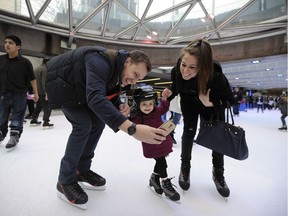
{"x": 87, "y": 186}
{"x": 11, "y": 149}
{"x": 63, "y": 197}
{"x": 34, "y": 125}
{"x": 174, "y": 201}
{"x": 47, "y": 127}
{"x": 151, "y": 188}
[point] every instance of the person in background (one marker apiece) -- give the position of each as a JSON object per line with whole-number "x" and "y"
{"x": 260, "y": 103}
{"x": 238, "y": 99}
{"x": 204, "y": 91}
{"x": 30, "y": 103}
{"x": 147, "y": 112}
{"x": 282, "y": 104}
{"x": 176, "y": 114}
{"x": 86, "y": 83}
{"x": 40, "y": 74}
{"x": 15, "y": 74}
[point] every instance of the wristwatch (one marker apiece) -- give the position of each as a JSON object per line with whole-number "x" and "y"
{"x": 132, "y": 129}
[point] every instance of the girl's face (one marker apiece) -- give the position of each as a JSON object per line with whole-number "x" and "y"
{"x": 188, "y": 66}
{"x": 147, "y": 106}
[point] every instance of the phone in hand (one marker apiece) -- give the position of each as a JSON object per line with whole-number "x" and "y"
{"x": 168, "y": 126}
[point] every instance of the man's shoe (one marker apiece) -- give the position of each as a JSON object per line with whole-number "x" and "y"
{"x": 47, "y": 125}
{"x": 73, "y": 194}
{"x": 95, "y": 181}
{"x": 219, "y": 181}
{"x": 284, "y": 128}
{"x": 28, "y": 116}
{"x": 35, "y": 122}
{"x": 13, "y": 141}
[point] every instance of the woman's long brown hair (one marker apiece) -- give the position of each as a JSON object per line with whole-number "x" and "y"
{"x": 203, "y": 51}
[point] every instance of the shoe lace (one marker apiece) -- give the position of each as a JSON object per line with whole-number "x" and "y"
{"x": 169, "y": 185}
{"x": 91, "y": 174}
{"x": 76, "y": 189}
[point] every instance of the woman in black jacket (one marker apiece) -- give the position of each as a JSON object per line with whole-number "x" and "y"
{"x": 204, "y": 90}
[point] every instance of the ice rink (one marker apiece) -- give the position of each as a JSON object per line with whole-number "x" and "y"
{"x": 258, "y": 185}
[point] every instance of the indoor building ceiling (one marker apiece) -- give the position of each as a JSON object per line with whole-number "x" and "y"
{"x": 172, "y": 23}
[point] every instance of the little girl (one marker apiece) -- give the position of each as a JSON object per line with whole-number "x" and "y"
{"x": 147, "y": 112}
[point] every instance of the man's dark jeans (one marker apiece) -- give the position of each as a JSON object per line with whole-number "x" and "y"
{"x": 14, "y": 104}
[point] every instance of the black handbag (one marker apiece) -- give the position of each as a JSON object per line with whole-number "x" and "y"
{"x": 223, "y": 137}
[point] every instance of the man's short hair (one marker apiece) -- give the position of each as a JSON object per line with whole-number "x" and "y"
{"x": 15, "y": 39}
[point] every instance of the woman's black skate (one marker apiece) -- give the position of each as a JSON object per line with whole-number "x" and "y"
{"x": 184, "y": 176}
{"x": 219, "y": 180}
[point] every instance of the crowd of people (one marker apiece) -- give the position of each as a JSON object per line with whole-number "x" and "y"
{"x": 88, "y": 91}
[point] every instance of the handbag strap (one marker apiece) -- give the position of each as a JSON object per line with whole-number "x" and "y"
{"x": 229, "y": 111}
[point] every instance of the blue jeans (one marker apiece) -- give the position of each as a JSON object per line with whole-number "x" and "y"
{"x": 176, "y": 118}
{"x": 87, "y": 129}
{"x": 14, "y": 104}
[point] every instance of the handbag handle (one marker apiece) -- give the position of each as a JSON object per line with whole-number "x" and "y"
{"x": 229, "y": 110}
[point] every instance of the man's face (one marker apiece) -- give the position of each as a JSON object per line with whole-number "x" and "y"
{"x": 10, "y": 47}
{"x": 133, "y": 72}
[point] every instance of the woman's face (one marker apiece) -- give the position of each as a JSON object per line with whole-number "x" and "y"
{"x": 188, "y": 66}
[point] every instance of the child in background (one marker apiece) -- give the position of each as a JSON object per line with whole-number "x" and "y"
{"x": 147, "y": 112}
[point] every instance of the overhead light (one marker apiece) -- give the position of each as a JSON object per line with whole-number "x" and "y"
{"x": 255, "y": 61}
{"x": 236, "y": 78}
{"x": 163, "y": 83}
{"x": 211, "y": 16}
{"x": 279, "y": 75}
{"x": 165, "y": 68}
{"x": 154, "y": 33}
{"x": 148, "y": 80}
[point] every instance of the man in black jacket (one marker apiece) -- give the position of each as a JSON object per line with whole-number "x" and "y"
{"x": 86, "y": 84}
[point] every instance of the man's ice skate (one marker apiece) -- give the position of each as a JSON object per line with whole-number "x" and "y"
{"x": 283, "y": 128}
{"x": 91, "y": 181}
{"x": 184, "y": 176}
{"x": 35, "y": 122}
{"x": 73, "y": 194}
{"x": 169, "y": 191}
{"x": 47, "y": 125}
{"x": 13, "y": 141}
{"x": 219, "y": 180}
{"x": 154, "y": 184}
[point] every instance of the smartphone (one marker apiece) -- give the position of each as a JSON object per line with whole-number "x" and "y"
{"x": 168, "y": 126}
